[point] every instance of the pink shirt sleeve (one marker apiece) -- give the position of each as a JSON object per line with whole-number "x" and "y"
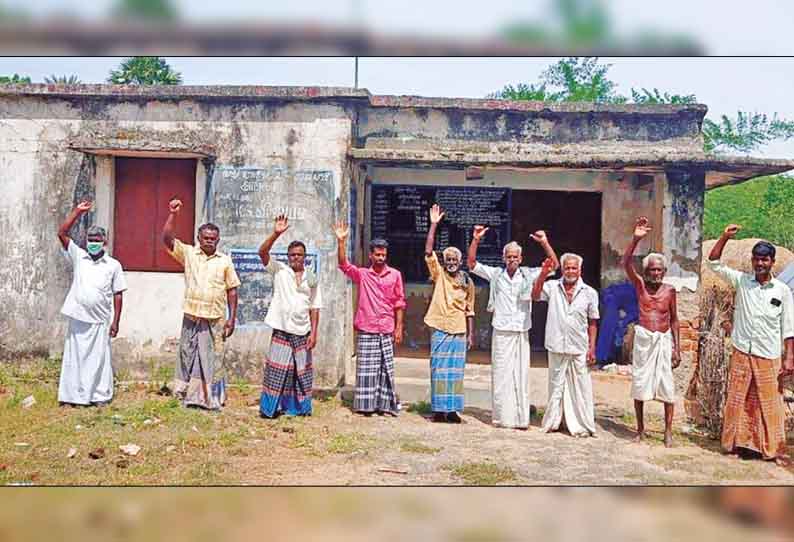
{"x": 351, "y": 271}
{"x": 399, "y": 292}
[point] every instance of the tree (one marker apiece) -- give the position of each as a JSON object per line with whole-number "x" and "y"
{"x": 62, "y": 80}
{"x": 645, "y": 96}
{"x": 571, "y": 80}
{"x": 585, "y": 80}
{"x": 145, "y": 70}
{"x": 146, "y": 10}
{"x": 15, "y": 79}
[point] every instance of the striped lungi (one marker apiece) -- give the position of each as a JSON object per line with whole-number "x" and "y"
{"x": 754, "y": 415}
{"x": 287, "y": 384}
{"x": 447, "y": 360}
{"x": 375, "y": 374}
{"x": 200, "y": 378}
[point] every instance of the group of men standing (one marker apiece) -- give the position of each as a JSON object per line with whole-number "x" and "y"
{"x": 753, "y": 414}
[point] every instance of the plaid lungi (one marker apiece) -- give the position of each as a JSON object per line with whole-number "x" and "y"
{"x": 200, "y": 378}
{"x": 447, "y": 360}
{"x": 375, "y": 374}
{"x": 287, "y": 385}
{"x": 754, "y": 416}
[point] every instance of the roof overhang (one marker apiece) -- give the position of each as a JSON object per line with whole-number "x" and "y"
{"x": 719, "y": 170}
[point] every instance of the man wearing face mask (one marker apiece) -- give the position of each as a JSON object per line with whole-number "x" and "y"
{"x": 379, "y": 323}
{"x": 763, "y": 320}
{"x": 451, "y": 316}
{"x": 210, "y": 285}
{"x": 96, "y": 290}
{"x": 294, "y": 315}
{"x": 571, "y": 326}
{"x": 510, "y": 301}
{"x": 655, "y": 353}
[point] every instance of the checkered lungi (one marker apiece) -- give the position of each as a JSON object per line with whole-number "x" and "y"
{"x": 447, "y": 360}
{"x": 287, "y": 385}
{"x": 754, "y": 416}
{"x": 375, "y": 374}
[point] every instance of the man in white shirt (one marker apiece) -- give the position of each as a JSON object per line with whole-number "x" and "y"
{"x": 294, "y": 315}
{"x": 511, "y": 303}
{"x": 763, "y": 320}
{"x": 93, "y": 309}
{"x": 571, "y": 327}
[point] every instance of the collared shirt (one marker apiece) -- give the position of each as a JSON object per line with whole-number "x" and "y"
{"x": 90, "y": 297}
{"x": 566, "y": 323}
{"x": 206, "y": 280}
{"x": 759, "y": 326}
{"x": 289, "y": 308}
{"x": 451, "y": 303}
{"x": 378, "y": 297}
{"x": 513, "y": 299}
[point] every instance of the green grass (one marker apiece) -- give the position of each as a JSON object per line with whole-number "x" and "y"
{"x": 421, "y": 407}
{"x": 416, "y": 447}
{"x": 482, "y": 474}
{"x": 350, "y": 443}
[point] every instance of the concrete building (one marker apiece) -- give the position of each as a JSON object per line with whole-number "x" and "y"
{"x": 238, "y": 156}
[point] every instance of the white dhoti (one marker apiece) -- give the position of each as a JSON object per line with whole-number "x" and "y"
{"x": 86, "y": 372}
{"x": 510, "y": 378}
{"x": 570, "y": 395}
{"x": 652, "y": 371}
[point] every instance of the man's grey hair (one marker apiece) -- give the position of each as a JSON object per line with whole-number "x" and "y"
{"x": 512, "y": 245}
{"x": 452, "y": 251}
{"x": 646, "y": 261}
{"x": 96, "y": 231}
{"x": 571, "y": 256}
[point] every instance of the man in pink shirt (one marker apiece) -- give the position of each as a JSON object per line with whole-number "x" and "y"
{"x": 379, "y": 321}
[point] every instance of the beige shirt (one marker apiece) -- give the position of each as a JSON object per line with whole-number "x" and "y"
{"x": 763, "y": 316}
{"x": 206, "y": 280}
{"x": 451, "y": 302}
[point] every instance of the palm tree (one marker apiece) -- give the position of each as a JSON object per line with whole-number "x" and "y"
{"x": 145, "y": 70}
{"x": 62, "y": 80}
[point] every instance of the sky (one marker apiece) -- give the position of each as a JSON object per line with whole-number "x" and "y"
{"x": 725, "y": 85}
{"x": 723, "y": 28}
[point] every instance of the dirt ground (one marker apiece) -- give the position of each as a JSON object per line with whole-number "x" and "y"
{"x": 47, "y": 444}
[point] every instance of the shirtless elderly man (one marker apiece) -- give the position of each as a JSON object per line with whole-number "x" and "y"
{"x": 656, "y": 351}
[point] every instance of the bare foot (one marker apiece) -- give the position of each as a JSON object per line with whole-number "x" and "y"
{"x": 784, "y": 462}
{"x": 668, "y": 440}
{"x": 640, "y": 436}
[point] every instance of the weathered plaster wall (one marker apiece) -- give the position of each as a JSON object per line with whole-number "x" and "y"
{"x": 42, "y": 179}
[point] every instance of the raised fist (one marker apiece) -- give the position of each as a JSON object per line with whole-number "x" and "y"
{"x": 731, "y": 230}
{"x": 175, "y": 205}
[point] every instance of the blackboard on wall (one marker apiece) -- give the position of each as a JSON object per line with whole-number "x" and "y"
{"x": 401, "y": 215}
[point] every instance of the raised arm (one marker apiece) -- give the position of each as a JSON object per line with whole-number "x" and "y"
{"x": 281, "y": 225}
{"x": 341, "y": 230}
{"x": 436, "y": 214}
{"x": 174, "y": 206}
{"x": 729, "y": 233}
{"x": 542, "y": 239}
{"x": 641, "y": 229}
{"x": 63, "y": 231}
{"x": 471, "y": 256}
{"x": 545, "y": 270}
{"x": 675, "y": 328}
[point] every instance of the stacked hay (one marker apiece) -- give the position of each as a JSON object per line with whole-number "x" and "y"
{"x": 706, "y": 393}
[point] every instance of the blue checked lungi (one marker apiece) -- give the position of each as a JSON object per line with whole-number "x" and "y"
{"x": 447, "y": 359}
{"x": 287, "y": 384}
{"x": 375, "y": 374}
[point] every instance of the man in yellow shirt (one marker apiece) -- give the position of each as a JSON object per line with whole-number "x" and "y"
{"x": 210, "y": 284}
{"x": 451, "y": 316}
